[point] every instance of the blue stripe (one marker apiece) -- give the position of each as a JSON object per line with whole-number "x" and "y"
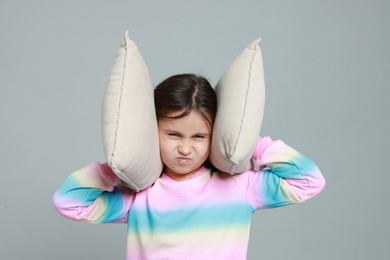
{"x": 293, "y": 168}
{"x": 273, "y": 194}
{"x": 114, "y": 204}
{"x": 73, "y": 190}
{"x": 207, "y": 217}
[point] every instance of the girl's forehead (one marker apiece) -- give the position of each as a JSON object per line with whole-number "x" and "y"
{"x": 193, "y": 122}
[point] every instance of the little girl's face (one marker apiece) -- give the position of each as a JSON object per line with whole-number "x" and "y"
{"x": 184, "y": 144}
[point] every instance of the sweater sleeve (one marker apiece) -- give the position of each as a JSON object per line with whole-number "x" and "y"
{"x": 90, "y": 195}
{"x": 281, "y": 176}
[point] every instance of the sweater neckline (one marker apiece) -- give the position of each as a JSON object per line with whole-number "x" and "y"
{"x": 196, "y": 176}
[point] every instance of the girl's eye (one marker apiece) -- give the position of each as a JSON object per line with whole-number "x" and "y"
{"x": 199, "y": 136}
{"x": 173, "y": 134}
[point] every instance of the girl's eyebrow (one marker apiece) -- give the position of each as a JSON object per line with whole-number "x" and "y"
{"x": 202, "y": 133}
{"x": 169, "y": 130}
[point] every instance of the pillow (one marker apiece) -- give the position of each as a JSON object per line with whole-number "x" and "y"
{"x": 240, "y": 98}
{"x": 129, "y": 124}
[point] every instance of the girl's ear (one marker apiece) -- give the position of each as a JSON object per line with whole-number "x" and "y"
{"x": 129, "y": 124}
{"x": 241, "y": 96}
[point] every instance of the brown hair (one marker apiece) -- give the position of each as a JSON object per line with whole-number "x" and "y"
{"x": 185, "y": 92}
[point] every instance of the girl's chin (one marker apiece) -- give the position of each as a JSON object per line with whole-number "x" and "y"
{"x": 180, "y": 172}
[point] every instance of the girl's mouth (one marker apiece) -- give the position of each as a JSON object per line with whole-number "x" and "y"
{"x": 183, "y": 159}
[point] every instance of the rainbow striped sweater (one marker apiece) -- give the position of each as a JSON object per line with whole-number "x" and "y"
{"x": 205, "y": 217}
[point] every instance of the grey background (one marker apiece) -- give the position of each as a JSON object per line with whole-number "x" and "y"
{"x": 327, "y": 79}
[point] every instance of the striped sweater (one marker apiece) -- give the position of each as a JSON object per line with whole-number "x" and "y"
{"x": 205, "y": 217}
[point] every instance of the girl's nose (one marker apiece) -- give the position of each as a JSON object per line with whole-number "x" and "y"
{"x": 184, "y": 148}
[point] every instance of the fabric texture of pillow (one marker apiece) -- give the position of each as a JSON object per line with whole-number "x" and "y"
{"x": 129, "y": 124}
{"x": 240, "y": 97}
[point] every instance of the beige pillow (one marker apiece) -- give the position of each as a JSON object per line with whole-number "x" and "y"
{"x": 240, "y": 97}
{"x": 129, "y": 125}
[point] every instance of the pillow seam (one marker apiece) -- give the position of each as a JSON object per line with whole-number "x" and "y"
{"x": 119, "y": 105}
{"x": 246, "y": 100}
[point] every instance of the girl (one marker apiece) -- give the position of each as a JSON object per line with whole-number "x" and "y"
{"x": 191, "y": 211}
